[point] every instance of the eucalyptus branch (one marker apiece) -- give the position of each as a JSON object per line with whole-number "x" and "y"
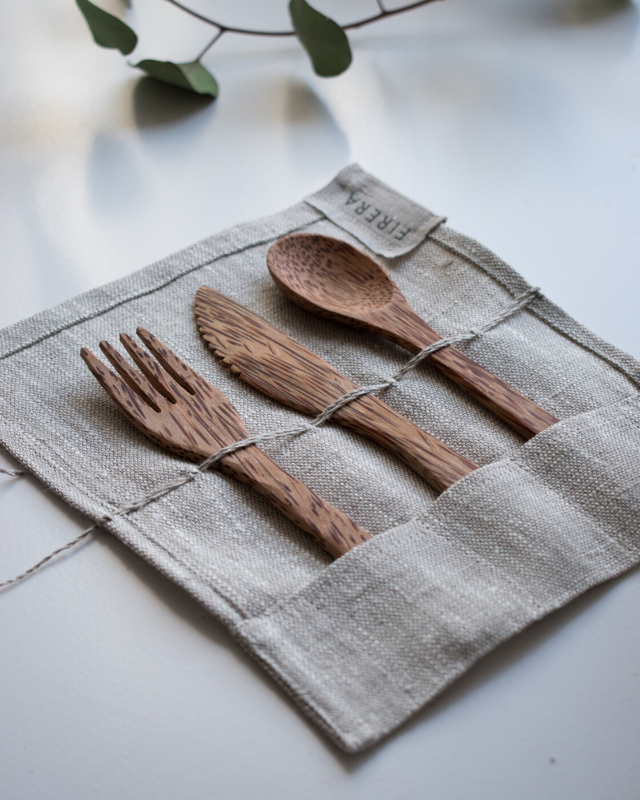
{"x": 384, "y": 14}
{"x": 228, "y": 28}
{"x": 251, "y": 32}
{"x": 325, "y": 41}
{"x": 210, "y": 45}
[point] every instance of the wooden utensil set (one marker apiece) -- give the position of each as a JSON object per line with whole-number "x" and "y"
{"x": 181, "y": 412}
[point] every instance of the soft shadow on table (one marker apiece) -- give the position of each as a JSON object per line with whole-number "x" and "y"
{"x": 114, "y": 182}
{"x": 316, "y": 145}
{"x": 156, "y": 104}
{"x": 587, "y": 12}
{"x": 487, "y": 669}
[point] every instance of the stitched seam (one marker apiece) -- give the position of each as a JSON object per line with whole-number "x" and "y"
{"x": 520, "y": 590}
{"x": 540, "y": 313}
{"x": 224, "y": 592}
{"x": 625, "y": 547}
{"x": 145, "y": 292}
{"x": 292, "y": 687}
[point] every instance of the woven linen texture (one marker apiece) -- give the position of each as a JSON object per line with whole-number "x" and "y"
{"x": 363, "y": 642}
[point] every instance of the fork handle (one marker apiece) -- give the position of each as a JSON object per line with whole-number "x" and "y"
{"x": 329, "y": 527}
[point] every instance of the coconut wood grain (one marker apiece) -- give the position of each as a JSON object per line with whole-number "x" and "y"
{"x": 333, "y": 279}
{"x": 181, "y": 412}
{"x": 281, "y": 368}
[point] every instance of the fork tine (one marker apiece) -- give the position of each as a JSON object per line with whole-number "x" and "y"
{"x": 188, "y": 378}
{"x": 122, "y": 395}
{"x": 206, "y": 405}
{"x": 154, "y": 372}
{"x": 131, "y": 377}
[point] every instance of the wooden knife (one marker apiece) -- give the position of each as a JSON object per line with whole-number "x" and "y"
{"x": 277, "y": 365}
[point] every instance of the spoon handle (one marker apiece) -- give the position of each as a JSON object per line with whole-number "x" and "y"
{"x": 507, "y": 403}
{"x": 512, "y": 407}
{"x": 439, "y": 465}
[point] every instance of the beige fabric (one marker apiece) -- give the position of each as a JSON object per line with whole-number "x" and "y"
{"x": 363, "y": 642}
{"x": 380, "y": 218}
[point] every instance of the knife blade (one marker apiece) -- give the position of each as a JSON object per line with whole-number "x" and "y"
{"x": 275, "y": 364}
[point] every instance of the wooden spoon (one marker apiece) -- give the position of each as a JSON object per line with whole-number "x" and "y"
{"x": 335, "y": 280}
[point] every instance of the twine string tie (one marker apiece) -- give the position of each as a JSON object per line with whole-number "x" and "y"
{"x": 519, "y": 303}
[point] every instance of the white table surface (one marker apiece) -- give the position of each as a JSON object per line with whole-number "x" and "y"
{"x": 520, "y": 120}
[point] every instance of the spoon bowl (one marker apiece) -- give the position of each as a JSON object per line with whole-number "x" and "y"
{"x": 329, "y": 275}
{"x": 334, "y": 279}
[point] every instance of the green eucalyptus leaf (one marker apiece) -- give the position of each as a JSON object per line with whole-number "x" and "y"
{"x": 322, "y": 38}
{"x": 107, "y": 30}
{"x": 192, "y": 75}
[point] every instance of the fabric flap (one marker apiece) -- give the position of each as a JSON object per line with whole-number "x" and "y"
{"x": 392, "y": 623}
{"x": 385, "y": 221}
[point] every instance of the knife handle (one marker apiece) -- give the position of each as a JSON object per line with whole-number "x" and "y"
{"x": 438, "y": 464}
{"x": 332, "y": 529}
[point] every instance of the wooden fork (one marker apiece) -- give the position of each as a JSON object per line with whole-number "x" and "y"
{"x": 177, "y": 409}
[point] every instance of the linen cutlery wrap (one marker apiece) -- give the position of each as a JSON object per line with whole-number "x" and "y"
{"x": 362, "y": 642}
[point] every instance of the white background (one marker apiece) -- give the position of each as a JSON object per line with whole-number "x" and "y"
{"x": 519, "y": 120}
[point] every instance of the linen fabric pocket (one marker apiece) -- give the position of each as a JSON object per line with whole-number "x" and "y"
{"x": 363, "y": 642}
